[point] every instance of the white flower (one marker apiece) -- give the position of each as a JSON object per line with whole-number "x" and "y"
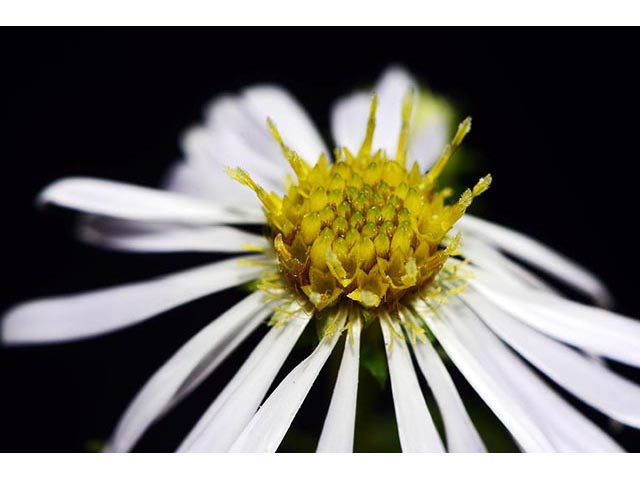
{"x": 417, "y": 288}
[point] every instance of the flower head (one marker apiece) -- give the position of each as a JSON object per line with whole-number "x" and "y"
{"x": 368, "y": 228}
{"x": 366, "y": 240}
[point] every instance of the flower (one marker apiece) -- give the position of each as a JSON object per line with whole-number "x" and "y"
{"x": 367, "y": 240}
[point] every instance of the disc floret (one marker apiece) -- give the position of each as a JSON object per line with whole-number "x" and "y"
{"x": 367, "y": 228}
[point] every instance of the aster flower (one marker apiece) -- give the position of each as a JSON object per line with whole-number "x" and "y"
{"x": 366, "y": 238}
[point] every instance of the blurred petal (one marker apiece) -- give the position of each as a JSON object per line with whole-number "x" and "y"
{"x": 232, "y": 139}
{"x": 269, "y": 425}
{"x": 349, "y": 115}
{"x": 339, "y": 424}
{"x": 430, "y": 133}
{"x": 235, "y": 134}
{"x": 349, "y": 120}
{"x": 72, "y": 317}
{"x": 233, "y": 408}
{"x": 205, "y": 351}
{"x": 415, "y": 427}
{"x": 391, "y": 88}
{"x": 210, "y": 183}
{"x": 295, "y": 126}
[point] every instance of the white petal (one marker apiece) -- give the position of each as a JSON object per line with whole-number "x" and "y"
{"x": 485, "y": 379}
{"x": 210, "y": 183}
{"x": 537, "y": 417}
{"x": 349, "y": 120}
{"x": 415, "y": 427}
{"x": 295, "y": 126}
{"x": 205, "y": 351}
{"x": 131, "y": 202}
{"x": 538, "y": 255}
{"x": 392, "y": 87}
{"x": 593, "y": 329}
{"x": 590, "y": 381}
{"x": 426, "y": 142}
{"x": 232, "y": 410}
{"x": 171, "y": 239}
{"x": 236, "y": 141}
{"x": 269, "y": 425}
{"x": 487, "y": 257}
{"x": 460, "y": 433}
{"x": 236, "y": 135}
{"x": 100, "y": 311}
{"x": 349, "y": 115}
{"x": 339, "y": 424}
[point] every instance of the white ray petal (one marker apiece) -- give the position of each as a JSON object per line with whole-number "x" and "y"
{"x": 485, "y": 378}
{"x": 269, "y": 425}
{"x": 339, "y": 424}
{"x": 349, "y": 115}
{"x": 295, "y": 126}
{"x": 206, "y": 350}
{"x": 416, "y": 429}
{"x": 233, "y": 408}
{"x": 216, "y": 238}
{"x": 588, "y": 380}
{"x": 537, "y": 417}
{"x": 391, "y": 88}
{"x": 349, "y": 120}
{"x": 131, "y": 202}
{"x": 426, "y": 142}
{"x": 236, "y": 135}
{"x": 81, "y": 315}
{"x": 487, "y": 257}
{"x": 461, "y": 434}
{"x": 569, "y": 430}
{"x": 538, "y": 255}
{"x": 210, "y": 183}
{"x": 593, "y": 329}
{"x": 232, "y": 138}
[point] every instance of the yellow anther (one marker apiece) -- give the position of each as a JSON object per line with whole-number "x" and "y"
{"x": 387, "y": 213}
{"x": 382, "y": 243}
{"x": 310, "y": 227}
{"x": 463, "y": 129}
{"x": 318, "y": 250}
{"x": 352, "y": 237}
{"x": 374, "y": 215}
{"x": 344, "y": 209}
{"x": 365, "y": 149}
{"x": 340, "y": 225}
{"x": 407, "y": 110}
{"x": 300, "y": 167}
{"x": 318, "y": 199}
{"x": 369, "y": 230}
{"x": 327, "y": 215}
{"x": 482, "y": 186}
{"x": 357, "y": 220}
{"x": 413, "y": 202}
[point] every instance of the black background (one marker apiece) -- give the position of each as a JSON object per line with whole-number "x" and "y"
{"x": 555, "y": 121}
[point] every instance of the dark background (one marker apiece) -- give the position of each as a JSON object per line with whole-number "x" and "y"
{"x": 555, "y": 121}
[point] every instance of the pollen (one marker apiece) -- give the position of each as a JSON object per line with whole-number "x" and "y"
{"x": 369, "y": 228}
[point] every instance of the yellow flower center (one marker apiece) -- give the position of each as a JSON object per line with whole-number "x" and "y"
{"x": 367, "y": 228}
